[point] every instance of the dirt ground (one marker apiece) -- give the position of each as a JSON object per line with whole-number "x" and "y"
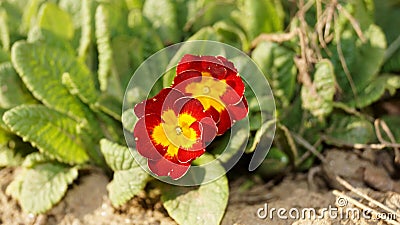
{"x": 372, "y": 172}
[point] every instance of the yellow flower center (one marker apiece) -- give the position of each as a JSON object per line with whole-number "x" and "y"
{"x": 208, "y": 91}
{"x": 175, "y": 132}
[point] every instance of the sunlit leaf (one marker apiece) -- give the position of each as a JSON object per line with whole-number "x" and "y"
{"x": 200, "y": 205}
{"x": 44, "y": 186}
{"x": 54, "y": 19}
{"x": 52, "y": 132}
{"x": 129, "y": 178}
{"x": 12, "y": 91}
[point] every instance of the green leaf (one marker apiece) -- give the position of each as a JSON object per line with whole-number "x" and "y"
{"x": 201, "y": 205}
{"x": 39, "y": 35}
{"x": 52, "y": 18}
{"x": 4, "y": 56}
{"x": 53, "y": 133}
{"x": 85, "y": 41}
{"x": 129, "y": 119}
{"x": 129, "y": 178}
{"x": 41, "y": 68}
{"x": 12, "y": 91}
{"x": 275, "y": 163}
{"x": 206, "y": 13}
{"x": 284, "y": 140}
{"x": 260, "y": 134}
{"x": 385, "y": 13}
{"x": 163, "y": 17}
{"x": 35, "y": 159}
{"x": 29, "y": 15}
{"x": 261, "y": 16}
{"x": 318, "y": 97}
{"x": 103, "y": 38}
{"x": 44, "y": 186}
{"x": 82, "y": 84}
{"x": 369, "y": 57}
{"x": 232, "y": 35}
{"x": 363, "y": 60}
{"x": 376, "y": 89}
{"x": 116, "y": 60}
{"x": 4, "y": 32}
{"x": 205, "y": 33}
{"x": 14, "y": 188}
{"x": 13, "y": 10}
{"x": 109, "y": 105}
{"x": 349, "y": 130}
{"x": 8, "y": 157}
{"x": 276, "y": 62}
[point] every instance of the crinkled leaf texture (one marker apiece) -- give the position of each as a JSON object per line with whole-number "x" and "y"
{"x": 52, "y": 132}
{"x": 12, "y": 90}
{"x": 39, "y": 188}
{"x": 201, "y": 205}
{"x": 277, "y": 64}
{"x": 41, "y": 68}
{"x": 318, "y": 98}
{"x": 129, "y": 178}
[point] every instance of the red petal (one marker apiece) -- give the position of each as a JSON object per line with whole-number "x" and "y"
{"x": 162, "y": 101}
{"x": 224, "y": 123}
{"x": 213, "y": 113}
{"x": 190, "y": 106}
{"x": 236, "y": 84}
{"x": 164, "y": 167}
{"x": 240, "y": 110}
{"x": 187, "y": 156}
{"x": 184, "y": 78}
{"x": 214, "y": 66}
{"x": 231, "y": 96}
{"x": 188, "y": 62}
{"x": 209, "y": 129}
{"x": 228, "y": 65}
{"x": 144, "y": 143}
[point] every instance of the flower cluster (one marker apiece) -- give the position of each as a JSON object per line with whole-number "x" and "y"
{"x": 175, "y": 126}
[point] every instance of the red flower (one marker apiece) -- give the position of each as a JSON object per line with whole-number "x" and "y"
{"x": 172, "y": 131}
{"x": 215, "y": 82}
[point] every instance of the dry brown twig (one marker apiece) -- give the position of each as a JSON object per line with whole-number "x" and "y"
{"x": 360, "y": 205}
{"x": 366, "y": 197}
{"x": 380, "y": 123}
{"x": 353, "y": 22}
{"x": 308, "y": 146}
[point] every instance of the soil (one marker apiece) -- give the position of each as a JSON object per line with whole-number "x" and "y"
{"x": 372, "y": 172}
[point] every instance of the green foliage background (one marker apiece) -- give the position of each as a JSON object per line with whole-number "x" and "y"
{"x": 65, "y": 64}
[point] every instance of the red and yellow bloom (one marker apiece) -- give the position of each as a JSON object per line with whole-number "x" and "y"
{"x": 215, "y": 82}
{"x": 175, "y": 126}
{"x": 172, "y": 131}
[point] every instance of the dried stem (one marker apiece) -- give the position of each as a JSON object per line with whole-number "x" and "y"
{"x": 365, "y": 196}
{"x": 353, "y": 22}
{"x": 362, "y": 206}
{"x": 309, "y": 147}
{"x": 278, "y": 38}
{"x": 344, "y": 64}
{"x": 380, "y": 123}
